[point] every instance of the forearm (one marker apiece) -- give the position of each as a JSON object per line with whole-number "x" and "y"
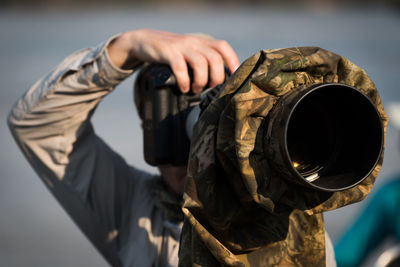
{"x": 51, "y": 124}
{"x": 51, "y": 116}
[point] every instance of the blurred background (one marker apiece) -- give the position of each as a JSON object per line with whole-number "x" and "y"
{"x": 37, "y": 34}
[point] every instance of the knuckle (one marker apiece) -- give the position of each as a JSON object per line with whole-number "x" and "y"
{"x": 198, "y": 62}
{"x": 202, "y": 62}
{"x": 176, "y": 61}
{"x": 200, "y": 79}
{"x": 221, "y": 44}
{"x": 216, "y": 59}
{"x": 217, "y": 78}
{"x": 188, "y": 39}
{"x": 178, "y": 67}
{"x": 220, "y": 79}
{"x": 175, "y": 48}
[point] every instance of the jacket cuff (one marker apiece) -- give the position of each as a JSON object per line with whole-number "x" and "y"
{"x": 107, "y": 70}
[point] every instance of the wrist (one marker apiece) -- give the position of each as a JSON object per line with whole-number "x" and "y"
{"x": 119, "y": 51}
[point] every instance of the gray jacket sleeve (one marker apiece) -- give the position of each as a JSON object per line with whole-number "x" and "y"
{"x": 51, "y": 125}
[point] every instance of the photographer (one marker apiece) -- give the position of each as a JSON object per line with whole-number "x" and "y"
{"x": 133, "y": 218}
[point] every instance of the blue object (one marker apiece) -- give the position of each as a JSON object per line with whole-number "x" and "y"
{"x": 379, "y": 220}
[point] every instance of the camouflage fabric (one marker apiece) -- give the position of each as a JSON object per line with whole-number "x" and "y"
{"x": 238, "y": 210}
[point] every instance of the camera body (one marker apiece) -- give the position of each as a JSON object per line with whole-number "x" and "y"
{"x": 167, "y": 114}
{"x": 164, "y": 111}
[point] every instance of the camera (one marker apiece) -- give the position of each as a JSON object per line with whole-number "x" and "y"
{"x": 326, "y": 136}
{"x": 168, "y": 116}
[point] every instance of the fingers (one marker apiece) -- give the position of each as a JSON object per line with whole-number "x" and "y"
{"x": 216, "y": 67}
{"x": 199, "y": 65}
{"x": 227, "y": 53}
{"x": 180, "y": 70}
{"x": 206, "y": 57}
{"x": 207, "y": 64}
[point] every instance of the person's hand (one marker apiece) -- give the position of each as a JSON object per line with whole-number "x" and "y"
{"x": 205, "y": 56}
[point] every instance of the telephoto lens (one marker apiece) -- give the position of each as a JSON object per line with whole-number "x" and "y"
{"x": 326, "y": 136}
